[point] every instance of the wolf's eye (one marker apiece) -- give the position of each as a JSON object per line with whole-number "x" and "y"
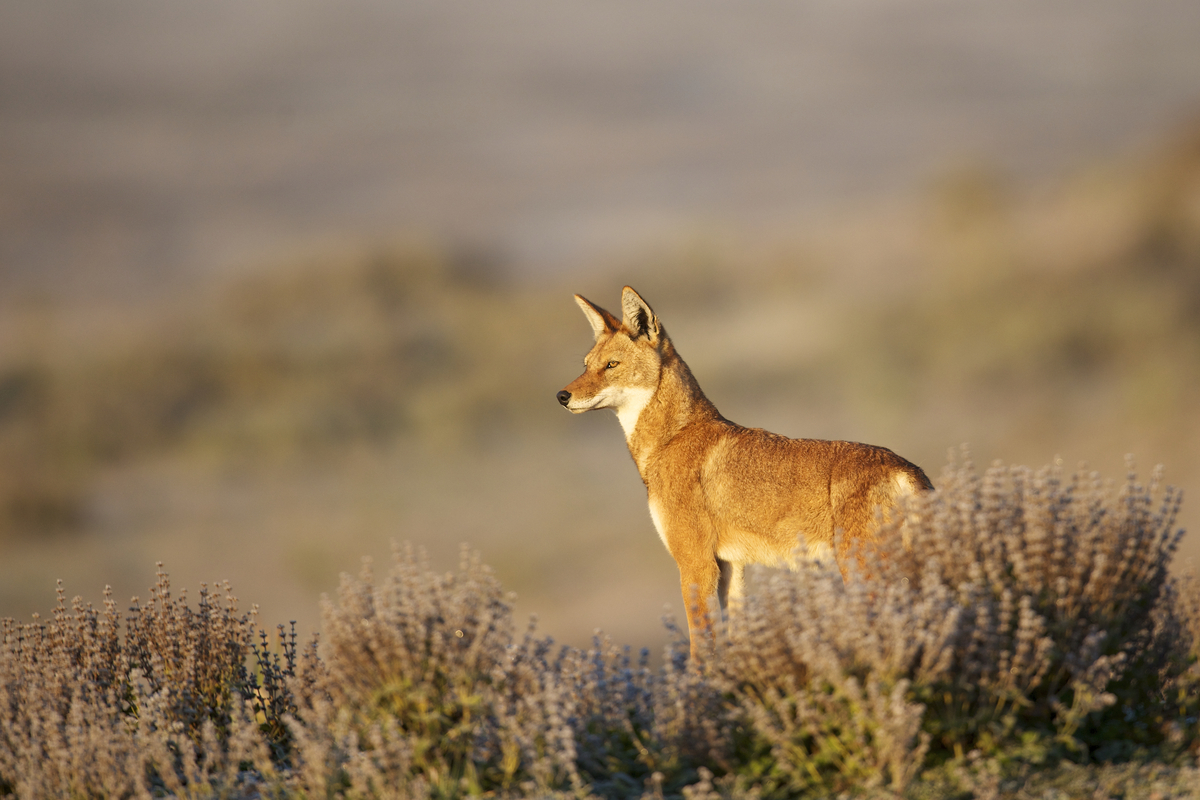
{"x": 611, "y": 364}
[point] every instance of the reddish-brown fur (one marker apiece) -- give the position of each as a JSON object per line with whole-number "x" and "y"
{"x": 723, "y": 496}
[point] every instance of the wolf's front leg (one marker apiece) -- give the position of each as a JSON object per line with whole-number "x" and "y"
{"x": 698, "y": 579}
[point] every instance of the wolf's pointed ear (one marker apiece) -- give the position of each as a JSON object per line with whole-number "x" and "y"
{"x": 639, "y": 317}
{"x": 600, "y": 320}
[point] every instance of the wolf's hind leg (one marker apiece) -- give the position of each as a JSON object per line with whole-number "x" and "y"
{"x": 731, "y": 589}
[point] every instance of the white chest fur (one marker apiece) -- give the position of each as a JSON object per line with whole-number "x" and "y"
{"x": 633, "y": 402}
{"x": 656, "y": 518}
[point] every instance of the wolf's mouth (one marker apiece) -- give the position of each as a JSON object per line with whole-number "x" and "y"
{"x": 580, "y": 409}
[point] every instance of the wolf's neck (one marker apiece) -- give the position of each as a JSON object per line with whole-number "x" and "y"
{"x": 656, "y": 418}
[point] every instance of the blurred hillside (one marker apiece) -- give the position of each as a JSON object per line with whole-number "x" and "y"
{"x": 274, "y": 429}
{"x": 147, "y": 149}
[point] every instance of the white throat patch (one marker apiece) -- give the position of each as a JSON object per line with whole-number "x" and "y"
{"x": 633, "y": 401}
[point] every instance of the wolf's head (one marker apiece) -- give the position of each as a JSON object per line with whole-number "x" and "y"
{"x": 622, "y": 369}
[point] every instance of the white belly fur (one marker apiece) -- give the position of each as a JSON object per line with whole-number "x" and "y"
{"x": 742, "y": 550}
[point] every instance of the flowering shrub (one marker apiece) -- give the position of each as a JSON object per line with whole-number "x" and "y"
{"x": 1011, "y": 621}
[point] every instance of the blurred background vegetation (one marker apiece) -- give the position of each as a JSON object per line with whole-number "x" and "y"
{"x": 297, "y": 401}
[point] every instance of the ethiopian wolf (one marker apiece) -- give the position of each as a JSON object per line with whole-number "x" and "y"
{"x": 723, "y": 496}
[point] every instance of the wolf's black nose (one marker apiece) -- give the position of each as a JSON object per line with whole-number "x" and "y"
{"x": 564, "y": 397}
